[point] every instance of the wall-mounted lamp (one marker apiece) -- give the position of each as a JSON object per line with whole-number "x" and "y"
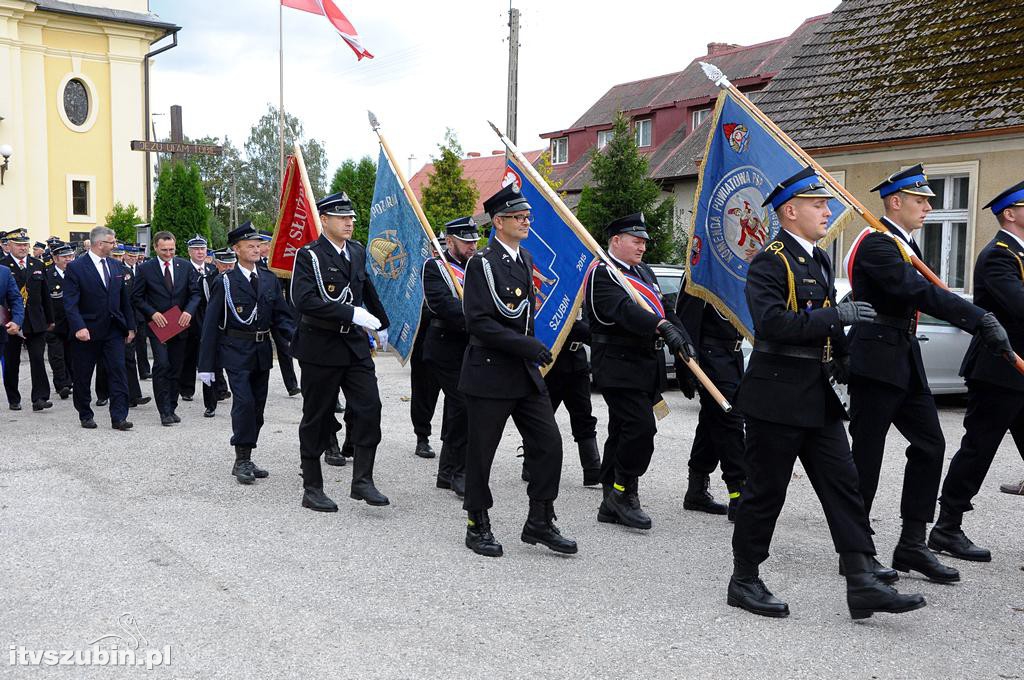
{"x": 6, "y": 152}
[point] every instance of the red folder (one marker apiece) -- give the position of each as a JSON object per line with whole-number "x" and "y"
{"x": 171, "y": 329}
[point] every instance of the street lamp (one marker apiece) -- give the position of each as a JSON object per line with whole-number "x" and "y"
{"x": 6, "y": 152}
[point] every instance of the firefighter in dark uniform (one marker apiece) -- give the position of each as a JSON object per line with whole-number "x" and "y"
{"x": 243, "y": 305}
{"x": 995, "y": 392}
{"x": 425, "y": 389}
{"x": 501, "y": 378}
{"x": 718, "y": 439}
{"x": 30, "y": 275}
{"x": 792, "y": 411}
{"x": 329, "y": 290}
{"x": 626, "y": 342}
{"x": 444, "y": 344}
{"x": 888, "y": 385}
{"x": 284, "y": 356}
{"x": 205, "y": 272}
{"x": 58, "y": 340}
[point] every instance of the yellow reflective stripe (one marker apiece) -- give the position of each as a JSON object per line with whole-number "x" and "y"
{"x": 734, "y": 494}
{"x": 470, "y": 523}
{"x": 618, "y": 487}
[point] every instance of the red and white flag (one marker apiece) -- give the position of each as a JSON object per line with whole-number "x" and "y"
{"x": 341, "y": 24}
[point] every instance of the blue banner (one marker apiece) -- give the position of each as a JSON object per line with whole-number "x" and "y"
{"x": 560, "y": 263}
{"x": 743, "y": 161}
{"x": 396, "y": 248}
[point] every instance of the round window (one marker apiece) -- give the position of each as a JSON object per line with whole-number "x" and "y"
{"x": 76, "y": 102}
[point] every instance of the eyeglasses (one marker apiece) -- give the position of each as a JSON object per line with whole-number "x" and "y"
{"x": 521, "y": 219}
{"x": 109, "y": 243}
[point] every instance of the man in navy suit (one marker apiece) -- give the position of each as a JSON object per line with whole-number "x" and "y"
{"x": 10, "y": 298}
{"x": 160, "y": 284}
{"x": 101, "y": 319}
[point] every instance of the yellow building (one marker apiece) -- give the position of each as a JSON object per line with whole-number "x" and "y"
{"x": 72, "y": 98}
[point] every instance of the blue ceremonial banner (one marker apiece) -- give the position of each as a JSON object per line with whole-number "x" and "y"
{"x": 743, "y": 161}
{"x": 396, "y": 248}
{"x": 561, "y": 260}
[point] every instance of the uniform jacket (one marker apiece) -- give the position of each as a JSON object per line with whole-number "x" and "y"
{"x": 611, "y": 311}
{"x": 150, "y": 294}
{"x": 785, "y": 389}
{"x": 88, "y": 304}
{"x": 499, "y": 361}
{"x": 444, "y": 324}
{"x": 55, "y": 283}
{"x": 894, "y": 288}
{"x": 999, "y": 288}
{"x": 344, "y": 343}
{"x": 32, "y": 279}
{"x": 10, "y": 297}
{"x": 219, "y": 350}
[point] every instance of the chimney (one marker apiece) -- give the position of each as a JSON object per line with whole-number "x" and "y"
{"x": 498, "y": 152}
{"x": 473, "y": 154}
{"x": 719, "y": 47}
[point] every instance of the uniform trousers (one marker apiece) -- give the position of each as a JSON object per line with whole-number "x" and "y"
{"x": 36, "y": 345}
{"x": 573, "y": 390}
{"x": 718, "y": 439}
{"x": 190, "y": 360}
{"x": 249, "y": 398}
{"x": 631, "y": 429}
{"x": 284, "y": 358}
{"x": 452, "y": 461}
{"x": 58, "y": 351}
{"x": 320, "y": 384}
{"x": 425, "y": 390}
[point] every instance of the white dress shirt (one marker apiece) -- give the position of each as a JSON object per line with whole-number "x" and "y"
{"x": 97, "y": 262}
{"x": 513, "y": 253}
{"x": 804, "y": 243}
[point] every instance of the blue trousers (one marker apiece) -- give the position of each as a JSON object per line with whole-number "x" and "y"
{"x": 108, "y": 352}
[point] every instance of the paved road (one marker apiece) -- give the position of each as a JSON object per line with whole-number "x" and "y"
{"x": 241, "y": 582}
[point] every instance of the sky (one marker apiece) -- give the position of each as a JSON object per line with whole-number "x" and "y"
{"x": 437, "y": 65}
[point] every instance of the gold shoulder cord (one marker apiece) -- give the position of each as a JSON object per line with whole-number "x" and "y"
{"x": 776, "y": 248}
{"x": 899, "y": 247}
{"x": 1015, "y": 255}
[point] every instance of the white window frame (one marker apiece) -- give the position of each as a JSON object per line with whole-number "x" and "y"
{"x": 835, "y": 249}
{"x": 638, "y": 128}
{"x": 94, "y": 101}
{"x": 81, "y": 219}
{"x": 699, "y": 116}
{"x": 946, "y": 217}
{"x": 607, "y": 137}
{"x": 559, "y": 144}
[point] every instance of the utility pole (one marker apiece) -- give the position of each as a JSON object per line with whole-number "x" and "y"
{"x": 513, "y": 72}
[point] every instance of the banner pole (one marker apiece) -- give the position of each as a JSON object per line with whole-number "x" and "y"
{"x": 310, "y": 198}
{"x": 415, "y": 203}
{"x": 592, "y": 243}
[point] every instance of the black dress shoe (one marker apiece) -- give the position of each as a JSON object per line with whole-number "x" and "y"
{"x": 141, "y": 401}
{"x": 292, "y": 391}
{"x": 40, "y": 405}
{"x": 167, "y": 421}
{"x": 123, "y": 425}
{"x": 881, "y": 572}
{"x": 244, "y": 471}
{"x": 750, "y": 593}
{"x": 14, "y": 407}
{"x": 954, "y": 542}
{"x": 64, "y": 392}
{"x": 186, "y": 397}
{"x": 315, "y": 499}
{"x": 423, "y": 449}
{"x": 540, "y": 528}
{"x": 89, "y": 424}
{"x": 920, "y": 559}
{"x": 698, "y": 497}
{"x": 177, "y": 419}
{"x": 102, "y": 402}
{"x": 479, "y": 538}
{"x": 625, "y": 505}
{"x": 209, "y": 413}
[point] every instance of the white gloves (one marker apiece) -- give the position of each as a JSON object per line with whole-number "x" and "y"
{"x": 383, "y": 335}
{"x": 206, "y": 378}
{"x": 361, "y": 317}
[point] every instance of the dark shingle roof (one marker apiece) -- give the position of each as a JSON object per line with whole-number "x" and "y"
{"x": 118, "y": 15}
{"x": 884, "y": 70}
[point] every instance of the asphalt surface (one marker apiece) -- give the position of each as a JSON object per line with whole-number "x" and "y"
{"x": 241, "y": 582}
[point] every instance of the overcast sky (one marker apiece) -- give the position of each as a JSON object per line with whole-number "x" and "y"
{"x": 436, "y": 65}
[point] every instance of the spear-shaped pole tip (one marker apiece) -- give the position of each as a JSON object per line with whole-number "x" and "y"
{"x": 715, "y": 74}
{"x": 495, "y": 128}
{"x": 374, "y": 123}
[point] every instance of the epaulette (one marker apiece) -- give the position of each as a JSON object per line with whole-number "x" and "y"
{"x": 309, "y": 246}
{"x": 775, "y": 246}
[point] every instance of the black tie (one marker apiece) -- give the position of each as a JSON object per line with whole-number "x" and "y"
{"x": 254, "y": 280}
{"x": 106, "y": 274}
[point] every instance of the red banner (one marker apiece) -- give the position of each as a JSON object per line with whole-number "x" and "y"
{"x": 295, "y": 222}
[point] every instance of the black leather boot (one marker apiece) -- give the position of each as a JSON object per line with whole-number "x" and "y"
{"x": 604, "y": 513}
{"x": 313, "y": 496}
{"x": 479, "y": 538}
{"x": 423, "y": 449}
{"x": 947, "y": 536}
{"x": 332, "y": 456}
{"x": 881, "y": 572}
{"x": 245, "y": 453}
{"x": 748, "y": 591}
{"x": 590, "y": 460}
{"x": 912, "y": 553}
{"x": 699, "y": 498}
{"x": 363, "y": 488}
{"x": 865, "y": 594}
{"x": 243, "y": 469}
{"x": 540, "y": 528}
{"x": 624, "y": 502}
{"x": 459, "y": 483}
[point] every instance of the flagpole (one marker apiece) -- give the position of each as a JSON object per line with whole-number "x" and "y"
{"x": 715, "y": 75}
{"x": 414, "y": 202}
{"x": 592, "y": 243}
{"x": 280, "y": 108}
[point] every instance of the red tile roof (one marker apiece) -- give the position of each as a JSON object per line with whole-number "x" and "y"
{"x": 486, "y": 171}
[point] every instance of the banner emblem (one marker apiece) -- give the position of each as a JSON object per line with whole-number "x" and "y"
{"x": 388, "y": 254}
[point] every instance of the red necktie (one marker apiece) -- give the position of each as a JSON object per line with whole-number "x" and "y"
{"x": 167, "y": 277}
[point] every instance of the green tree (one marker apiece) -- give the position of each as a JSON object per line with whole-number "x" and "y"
{"x": 259, "y": 186}
{"x": 621, "y": 187}
{"x": 122, "y": 219}
{"x": 356, "y": 178}
{"x": 180, "y": 204}
{"x": 218, "y": 231}
{"x": 447, "y": 194}
{"x": 218, "y": 173}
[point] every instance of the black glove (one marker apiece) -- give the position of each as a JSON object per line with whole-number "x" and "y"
{"x": 854, "y": 311}
{"x": 841, "y": 370}
{"x": 677, "y": 340}
{"x": 543, "y": 357}
{"x": 994, "y": 335}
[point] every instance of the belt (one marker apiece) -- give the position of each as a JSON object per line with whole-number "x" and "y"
{"x": 575, "y": 346}
{"x": 723, "y": 343}
{"x": 824, "y": 354}
{"x": 320, "y": 324}
{"x": 622, "y": 341}
{"x": 446, "y": 326}
{"x": 904, "y": 324}
{"x": 255, "y": 336}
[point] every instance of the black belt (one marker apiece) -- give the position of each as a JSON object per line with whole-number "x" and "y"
{"x": 898, "y": 322}
{"x": 321, "y": 324}
{"x": 823, "y": 354}
{"x": 575, "y": 346}
{"x": 622, "y": 341}
{"x": 723, "y": 343}
{"x": 255, "y": 336}
{"x": 446, "y": 326}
